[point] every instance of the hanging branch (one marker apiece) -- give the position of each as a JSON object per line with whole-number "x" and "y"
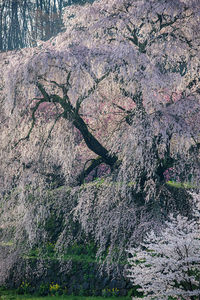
{"x": 50, "y": 131}
{"x": 94, "y": 163}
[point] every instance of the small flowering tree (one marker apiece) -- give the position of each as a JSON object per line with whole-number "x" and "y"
{"x": 167, "y": 266}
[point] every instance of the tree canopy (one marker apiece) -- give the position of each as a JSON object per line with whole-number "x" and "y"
{"x": 136, "y": 62}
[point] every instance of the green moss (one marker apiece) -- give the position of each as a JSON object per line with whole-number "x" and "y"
{"x": 113, "y": 256}
{"x": 78, "y": 258}
{"x": 183, "y": 185}
{"x": 103, "y": 182}
{"x": 45, "y": 252}
{"x": 99, "y": 182}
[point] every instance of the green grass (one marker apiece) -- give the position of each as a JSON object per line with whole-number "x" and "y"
{"x": 26, "y": 297}
{"x": 9, "y": 295}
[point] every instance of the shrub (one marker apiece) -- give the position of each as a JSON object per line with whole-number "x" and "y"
{"x": 43, "y": 289}
{"x": 54, "y": 289}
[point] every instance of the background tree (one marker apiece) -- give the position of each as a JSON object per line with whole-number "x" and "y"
{"x": 24, "y": 23}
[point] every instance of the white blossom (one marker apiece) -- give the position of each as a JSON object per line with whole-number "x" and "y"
{"x": 168, "y": 263}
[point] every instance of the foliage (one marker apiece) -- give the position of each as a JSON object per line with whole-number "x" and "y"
{"x": 24, "y": 288}
{"x": 43, "y": 289}
{"x": 168, "y": 265}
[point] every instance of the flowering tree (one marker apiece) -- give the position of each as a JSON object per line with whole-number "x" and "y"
{"x": 140, "y": 58}
{"x": 119, "y": 88}
{"x": 168, "y": 265}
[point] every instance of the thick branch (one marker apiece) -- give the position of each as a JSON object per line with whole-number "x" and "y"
{"x": 72, "y": 115}
{"x": 92, "y": 143}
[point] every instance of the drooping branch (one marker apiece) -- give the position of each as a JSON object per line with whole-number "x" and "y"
{"x": 33, "y": 122}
